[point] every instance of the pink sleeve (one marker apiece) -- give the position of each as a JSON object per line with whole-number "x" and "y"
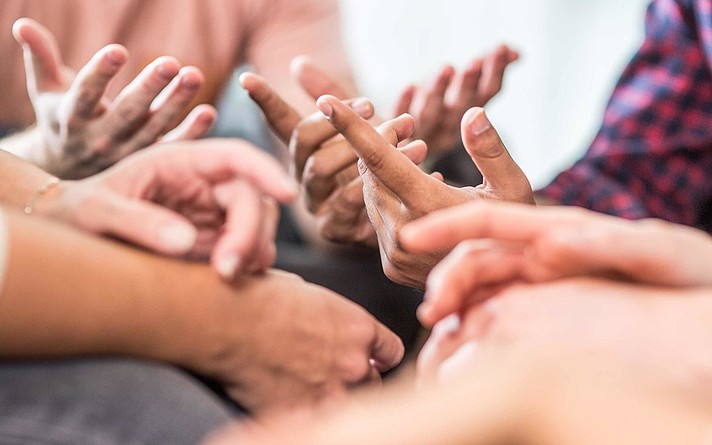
{"x": 287, "y": 28}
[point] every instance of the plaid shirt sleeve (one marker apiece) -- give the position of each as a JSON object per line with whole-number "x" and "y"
{"x": 653, "y": 154}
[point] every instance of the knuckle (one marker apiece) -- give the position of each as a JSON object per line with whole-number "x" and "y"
{"x": 373, "y": 161}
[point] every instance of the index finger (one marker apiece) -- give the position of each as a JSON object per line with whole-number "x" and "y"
{"x": 390, "y": 166}
{"x": 279, "y": 114}
{"x": 445, "y": 229}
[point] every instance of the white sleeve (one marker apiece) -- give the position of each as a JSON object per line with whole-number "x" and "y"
{"x": 4, "y": 245}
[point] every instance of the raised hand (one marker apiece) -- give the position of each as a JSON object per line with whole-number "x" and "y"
{"x": 199, "y": 199}
{"x": 438, "y": 107}
{"x": 396, "y": 191}
{"x": 321, "y": 161}
{"x": 505, "y": 243}
{"x": 81, "y": 130}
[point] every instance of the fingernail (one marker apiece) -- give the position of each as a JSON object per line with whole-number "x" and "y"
{"x": 362, "y": 107}
{"x": 189, "y": 81}
{"x": 179, "y": 238}
{"x": 227, "y": 266}
{"x": 325, "y": 107}
{"x": 115, "y": 56}
{"x": 164, "y": 70}
{"x": 479, "y": 124}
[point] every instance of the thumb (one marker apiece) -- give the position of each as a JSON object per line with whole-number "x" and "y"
{"x": 142, "y": 223}
{"x": 502, "y": 175}
{"x": 387, "y": 348}
{"x": 43, "y": 62}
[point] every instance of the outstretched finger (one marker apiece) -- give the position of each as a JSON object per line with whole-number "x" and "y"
{"x": 382, "y": 159}
{"x": 131, "y": 107}
{"x": 43, "y": 61}
{"x": 493, "y": 71}
{"x": 464, "y": 92}
{"x": 92, "y": 80}
{"x": 444, "y": 229}
{"x": 167, "y": 107}
{"x": 470, "y": 266}
{"x": 314, "y": 132}
{"x": 492, "y": 159}
{"x": 315, "y": 81}
{"x": 405, "y": 100}
{"x": 196, "y": 125}
{"x": 279, "y": 114}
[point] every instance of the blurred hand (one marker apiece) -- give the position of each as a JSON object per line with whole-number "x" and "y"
{"x": 396, "y": 191}
{"x": 511, "y": 242}
{"x": 285, "y": 344}
{"x": 200, "y": 199}
{"x": 438, "y": 107}
{"x": 82, "y": 130}
{"x": 664, "y": 329}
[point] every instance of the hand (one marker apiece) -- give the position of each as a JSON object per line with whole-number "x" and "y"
{"x": 201, "y": 199}
{"x": 551, "y": 396}
{"x": 296, "y": 344}
{"x": 322, "y": 162}
{"x": 84, "y": 131}
{"x": 396, "y": 191}
{"x": 661, "y": 328}
{"x": 438, "y": 107}
{"x": 554, "y": 243}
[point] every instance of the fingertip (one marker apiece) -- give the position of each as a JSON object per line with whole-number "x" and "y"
{"x": 475, "y": 122}
{"x": 326, "y": 105}
{"x": 228, "y": 265}
{"x": 297, "y": 65}
{"x": 191, "y": 77}
{"x": 167, "y": 66}
{"x": 19, "y": 28}
{"x": 115, "y": 54}
{"x": 363, "y": 107}
{"x": 177, "y": 237}
{"x": 249, "y": 81}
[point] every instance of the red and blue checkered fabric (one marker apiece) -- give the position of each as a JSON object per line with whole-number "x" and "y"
{"x": 653, "y": 154}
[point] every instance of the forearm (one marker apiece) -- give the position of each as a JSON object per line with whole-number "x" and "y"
{"x": 67, "y": 294}
{"x": 20, "y": 180}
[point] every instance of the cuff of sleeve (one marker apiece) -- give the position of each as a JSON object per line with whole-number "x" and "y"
{"x": 595, "y": 191}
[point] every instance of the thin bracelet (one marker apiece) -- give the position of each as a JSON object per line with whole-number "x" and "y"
{"x": 48, "y": 185}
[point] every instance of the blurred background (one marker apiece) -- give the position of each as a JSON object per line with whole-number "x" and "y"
{"x": 572, "y": 52}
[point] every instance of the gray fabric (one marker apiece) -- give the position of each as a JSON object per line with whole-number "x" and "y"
{"x": 104, "y": 402}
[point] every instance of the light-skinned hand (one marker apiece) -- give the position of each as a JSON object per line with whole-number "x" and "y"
{"x": 83, "y": 131}
{"x": 311, "y": 346}
{"x": 396, "y": 191}
{"x": 198, "y": 199}
{"x": 438, "y": 106}
{"x": 498, "y": 243}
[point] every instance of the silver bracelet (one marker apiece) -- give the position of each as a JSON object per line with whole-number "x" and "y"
{"x": 48, "y": 185}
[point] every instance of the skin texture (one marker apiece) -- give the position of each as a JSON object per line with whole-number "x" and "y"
{"x": 273, "y": 341}
{"x": 557, "y": 242}
{"x": 80, "y": 130}
{"x": 554, "y": 396}
{"x": 213, "y": 199}
{"x": 396, "y": 191}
